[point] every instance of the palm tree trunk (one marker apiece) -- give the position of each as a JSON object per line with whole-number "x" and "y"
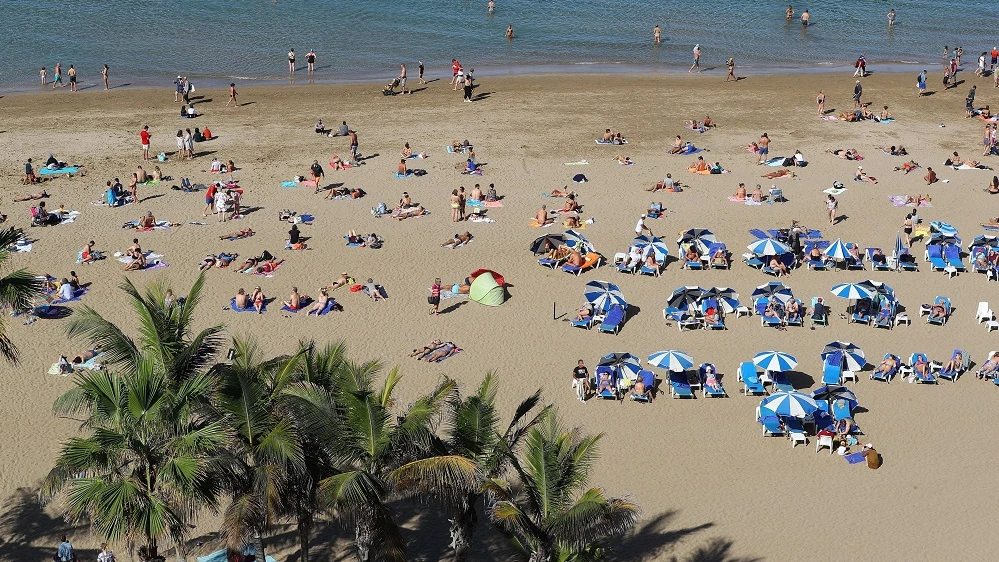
{"x": 364, "y": 537}
{"x": 305, "y": 520}
{"x": 180, "y": 550}
{"x": 541, "y": 554}
{"x": 258, "y": 546}
{"x": 462, "y": 527}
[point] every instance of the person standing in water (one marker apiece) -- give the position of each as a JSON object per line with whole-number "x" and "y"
{"x": 291, "y": 61}
{"x": 310, "y": 58}
{"x": 509, "y": 32}
{"x": 104, "y": 75}
{"x": 492, "y": 6}
{"x": 57, "y": 76}
{"x": 42, "y": 74}
{"x": 789, "y": 14}
{"x": 697, "y": 59}
{"x": 891, "y": 17}
{"x": 402, "y": 79}
{"x": 657, "y": 34}
{"x": 804, "y": 18}
{"x": 72, "y": 78}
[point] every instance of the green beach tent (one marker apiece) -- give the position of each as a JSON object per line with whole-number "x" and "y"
{"x": 487, "y": 287}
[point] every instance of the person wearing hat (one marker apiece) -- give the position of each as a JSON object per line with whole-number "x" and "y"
{"x": 641, "y": 227}
{"x": 872, "y": 456}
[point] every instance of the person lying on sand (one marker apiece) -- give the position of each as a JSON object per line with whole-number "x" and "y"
{"x": 561, "y": 192}
{"x": 441, "y": 352}
{"x": 246, "y": 232}
{"x": 985, "y": 114}
{"x": 458, "y": 240}
{"x": 32, "y": 196}
{"x": 410, "y": 212}
{"x": 421, "y": 353}
{"x": 860, "y": 175}
{"x": 623, "y": 160}
{"x": 542, "y": 216}
{"x": 781, "y": 173}
{"x": 991, "y": 222}
{"x": 294, "y": 301}
{"x": 895, "y": 150}
{"x": 907, "y": 167}
{"x": 267, "y": 266}
{"x": 956, "y": 160}
{"x": 572, "y": 221}
{"x": 320, "y": 303}
{"x": 138, "y": 261}
{"x": 918, "y": 200}
{"x": 930, "y": 177}
{"x": 848, "y": 154}
{"x": 336, "y": 162}
{"x": 344, "y": 279}
{"x": 752, "y": 147}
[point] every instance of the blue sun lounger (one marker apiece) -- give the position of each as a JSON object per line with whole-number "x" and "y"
{"x": 877, "y": 265}
{"x": 934, "y": 255}
{"x": 862, "y": 314}
{"x": 930, "y": 377}
{"x": 832, "y": 368}
{"x": 679, "y": 386}
{"x": 952, "y": 375}
{"x": 941, "y": 320}
{"x": 904, "y": 263}
{"x": 707, "y": 390}
{"x": 612, "y": 322}
{"x": 708, "y": 304}
{"x": 712, "y": 250}
{"x": 751, "y": 379}
{"x": 782, "y": 382}
{"x": 795, "y": 431}
{"x": 797, "y": 320}
{"x": 886, "y": 317}
{"x": 761, "y": 311}
{"x": 770, "y": 422}
{"x": 952, "y": 254}
{"x": 606, "y": 394}
{"x": 841, "y": 410}
{"x": 886, "y": 377}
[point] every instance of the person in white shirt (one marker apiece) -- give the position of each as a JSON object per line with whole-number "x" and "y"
{"x": 106, "y": 554}
{"x": 799, "y": 158}
{"x": 640, "y": 227}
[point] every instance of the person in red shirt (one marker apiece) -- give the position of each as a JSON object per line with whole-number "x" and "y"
{"x": 995, "y": 58}
{"x": 455, "y": 67}
{"x": 144, "y": 138}
{"x": 210, "y": 199}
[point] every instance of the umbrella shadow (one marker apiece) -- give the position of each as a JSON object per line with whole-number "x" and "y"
{"x": 799, "y": 379}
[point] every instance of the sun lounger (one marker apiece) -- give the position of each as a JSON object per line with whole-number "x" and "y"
{"x": 973, "y": 257}
{"x": 588, "y": 322}
{"x": 612, "y": 322}
{"x": 908, "y": 263}
{"x": 653, "y": 271}
{"x": 952, "y": 254}
{"x": 952, "y": 375}
{"x": 841, "y": 411}
{"x": 797, "y": 320}
{"x": 761, "y": 309}
{"x": 623, "y": 267}
{"x": 705, "y": 388}
{"x": 648, "y": 379}
{"x": 934, "y": 255}
{"x": 861, "y": 314}
{"x": 770, "y": 422}
{"x": 886, "y": 377}
{"x": 910, "y": 369}
{"x": 713, "y": 248}
{"x": 795, "y": 431}
{"x": 877, "y": 266}
{"x": 947, "y": 310}
{"x": 708, "y": 304}
{"x": 750, "y": 379}
{"x": 607, "y": 394}
{"x": 854, "y": 262}
{"x": 752, "y": 260}
{"x": 591, "y": 259}
{"x": 832, "y": 368}
{"x": 786, "y": 259}
{"x": 679, "y": 386}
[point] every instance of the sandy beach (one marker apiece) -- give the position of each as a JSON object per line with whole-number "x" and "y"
{"x": 711, "y": 488}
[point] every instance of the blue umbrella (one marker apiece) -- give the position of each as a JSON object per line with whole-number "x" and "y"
{"x": 577, "y": 241}
{"x": 627, "y": 364}
{"x": 672, "y": 360}
{"x": 852, "y": 291}
{"x": 793, "y": 404}
{"x": 937, "y": 238}
{"x": 700, "y": 237}
{"x": 775, "y": 361}
{"x": 837, "y": 251}
{"x": 768, "y": 247}
{"x": 727, "y": 298}
{"x": 684, "y": 298}
{"x": 773, "y": 290}
{"x": 603, "y": 295}
{"x": 651, "y": 244}
{"x": 943, "y": 228}
{"x": 987, "y": 240}
{"x": 879, "y": 288}
{"x": 853, "y": 356}
{"x": 899, "y": 249}
{"x": 832, "y": 392}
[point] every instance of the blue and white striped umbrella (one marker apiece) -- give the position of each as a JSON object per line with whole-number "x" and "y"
{"x": 628, "y": 365}
{"x": 577, "y": 241}
{"x": 879, "y": 288}
{"x": 943, "y": 228}
{"x": 651, "y": 244}
{"x": 987, "y": 240}
{"x": 700, "y": 237}
{"x": 852, "y": 291}
{"x": 768, "y": 247}
{"x": 793, "y": 404}
{"x": 899, "y": 248}
{"x": 938, "y": 238}
{"x": 727, "y": 298}
{"x": 672, "y": 360}
{"x": 853, "y": 356}
{"x": 603, "y": 295}
{"x": 684, "y": 298}
{"x": 773, "y": 290}
{"x": 837, "y": 251}
{"x": 775, "y": 361}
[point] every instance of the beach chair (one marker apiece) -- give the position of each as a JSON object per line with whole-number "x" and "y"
{"x": 840, "y": 410}
{"x": 795, "y": 432}
{"x": 683, "y": 318}
{"x": 911, "y": 369}
{"x": 975, "y": 252}
{"x": 886, "y": 377}
{"x": 761, "y": 309}
{"x": 707, "y": 304}
{"x": 752, "y": 260}
{"x": 952, "y": 253}
{"x": 606, "y": 393}
{"x": 908, "y": 262}
{"x": 750, "y": 379}
{"x": 587, "y": 323}
{"x": 862, "y": 314}
{"x": 776, "y": 195}
{"x": 782, "y": 382}
{"x": 981, "y": 372}
{"x": 592, "y": 259}
{"x": 612, "y": 322}
{"x": 798, "y": 320}
{"x": 679, "y": 386}
{"x": 952, "y": 375}
{"x": 984, "y": 313}
{"x": 832, "y": 368}
{"x": 934, "y": 255}
{"x": 707, "y": 390}
{"x": 648, "y": 378}
{"x": 712, "y": 250}
{"x": 947, "y": 310}
{"x": 552, "y": 263}
{"x": 875, "y": 265}
{"x": 821, "y": 320}
{"x": 653, "y": 271}
{"x": 886, "y": 317}
{"x": 772, "y": 425}
{"x": 786, "y": 259}
{"x": 623, "y": 267}
{"x": 854, "y": 263}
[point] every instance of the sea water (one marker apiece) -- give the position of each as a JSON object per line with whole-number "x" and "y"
{"x": 150, "y": 42}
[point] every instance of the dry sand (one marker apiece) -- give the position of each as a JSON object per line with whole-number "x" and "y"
{"x": 707, "y": 481}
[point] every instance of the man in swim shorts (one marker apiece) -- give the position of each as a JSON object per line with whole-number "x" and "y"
{"x": 764, "y": 147}
{"x": 402, "y": 79}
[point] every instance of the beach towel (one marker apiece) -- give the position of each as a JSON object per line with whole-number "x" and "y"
{"x": 967, "y": 167}
{"x": 67, "y": 170}
{"x": 307, "y": 218}
{"x": 599, "y": 141}
{"x": 306, "y": 301}
{"x": 330, "y": 306}
{"x": 759, "y": 234}
{"x": 150, "y": 182}
{"x": 148, "y": 254}
{"x": 155, "y": 265}
{"x": 77, "y": 294}
{"x": 534, "y": 223}
{"x": 307, "y": 183}
{"x": 884, "y": 121}
{"x": 576, "y": 163}
{"x": 834, "y": 190}
{"x": 159, "y": 225}
{"x": 628, "y": 163}
{"x": 399, "y": 176}
{"x": 689, "y": 128}
{"x": 232, "y": 305}
{"x": 69, "y": 216}
{"x": 456, "y": 351}
{"x": 289, "y": 184}
{"x": 493, "y": 204}
{"x": 829, "y": 118}
{"x": 899, "y": 201}
{"x": 854, "y": 458}
{"x": 479, "y": 218}
{"x": 690, "y": 149}
{"x": 779, "y": 161}
{"x": 735, "y": 199}
{"x": 21, "y": 247}
{"x": 347, "y": 166}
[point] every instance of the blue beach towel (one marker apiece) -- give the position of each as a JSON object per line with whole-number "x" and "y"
{"x": 289, "y": 184}
{"x": 77, "y": 294}
{"x": 232, "y": 305}
{"x": 330, "y": 305}
{"x": 306, "y": 301}
{"x": 307, "y": 219}
{"x": 854, "y": 458}
{"x": 66, "y": 170}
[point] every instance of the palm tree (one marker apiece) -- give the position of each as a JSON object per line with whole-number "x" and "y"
{"x": 264, "y": 446}
{"x": 474, "y": 433}
{"x": 545, "y": 520}
{"x": 17, "y": 289}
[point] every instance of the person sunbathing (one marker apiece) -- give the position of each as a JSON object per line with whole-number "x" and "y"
{"x": 406, "y": 151}
{"x": 696, "y": 125}
{"x": 266, "y": 267}
{"x": 208, "y": 263}
{"x": 853, "y": 253}
{"x": 258, "y": 300}
{"x": 757, "y": 195}
{"x": 401, "y": 168}
{"x": 585, "y": 312}
{"x": 888, "y": 365}
{"x": 885, "y": 114}
{"x": 848, "y": 154}
{"x": 740, "y": 193}
{"x": 792, "y": 310}
{"x": 954, "y": 365}
{"x": 571, "y": 205}
{"x": 618, "y": 138}
{"x": 985, "y": 114}
{"x": 241, "y": 300}
{"x": 575, "y": 259}
{"x": 337, "y": 163}
{"x": 918, "y": 200}
{"x": 990, "y": 368}
{"x": 668, "y": 184}
{"x": 344, "y": 279}
{"x": 441, "y": 352}
{"x": 416, "y": 211}
{"x": 884, "y": 313}
{"x": 877, "y": 256}
{"x": 572, "y": 221}
{"x": 981, "y": 261}
{"x": 677, "y": 146}
{"x": 623, "y": 160}
{"x": 907, "y": 167}
{"x": 475, "y": 194}
{"x": 138, "y": 261}
{"x": 246, "y": 232}
{"x": 991, "y": 222}
{"x": 690, "y": 257}
{"x": 779, "y": 268}
{"x": 711, "y": 378}
{"x": 711, "y": 317}
{"x": 850, "y": 116}
{"x": 752, "y": 147}
{"x": 650, "y": 261}
{"x": 542, "y": 216}
{"x": 32, "y": 196}
{"x": 294, "y": 301}
{"x": 843, "y": 426}
{"x": 320, "y": 304}
{"x": 861, "y": 175}
{"x": 921, "y": 368}
{"x": 939, "y": 309}
{"x": 781, "y": 173}
{"x": 699, "y": 165}
{"x": 640, "y": 391}
{"x": 993, "y": 186}
{"x": 406, "y": 202}
{"x": 147, "y": 221}
{"x": 458, "y": 240}
{"x": 427, "y": 349}
{"x": 607, "y": 136}
{"x": 560, "y": 192}
{"x": 559, "y": 254}
{"x": 471, "y": 168}
{"x": 719, "y": 258}
{"x": 634, "y": 258}
{"x": 930, "y": 177}
{"x": 771, "y": 311}
{"x": 604, "y": 383}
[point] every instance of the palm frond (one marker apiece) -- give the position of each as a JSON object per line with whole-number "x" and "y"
{"x": 445, "y": 477}
{"x": 593, "y": 517}
{"x": 118, "y": 348}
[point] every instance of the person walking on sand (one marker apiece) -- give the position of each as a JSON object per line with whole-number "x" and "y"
{"x": 310, "y": 59}
{"x": 402, "y": 79}
{"x": 353, "y": 144}
{"x": 291, "y": 61}
{"x": 232, "y": 95}
{"x": 921, "y": 83}
{"x": 144, "y": 140}
{"x": 66, "y": 552}
{"x": 657, "y": 34}
{"x": 455, "y": 71}
{"x": 697, "y": 59}
{"x": 764, "y": 147}
{"x": 891, "y": 17}
{"x": 731, "y": 70}
{"x": 420, "y": 69}
{"x": 57, "y": 76}
{"x": 435, "y": 296}
{"x": 858, "y": 90}
{"x": 831, "y": 205}
{"x": 820, "y": 100}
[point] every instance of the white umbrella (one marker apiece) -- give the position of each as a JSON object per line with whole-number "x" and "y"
{"x": 852, "y": 291}
{"x": 673, "y": 360}
{"x": 775, "y": 361}
{"x": 794, "y": 404}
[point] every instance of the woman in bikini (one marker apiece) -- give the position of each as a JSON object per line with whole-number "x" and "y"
{"x": 258, "y": 300}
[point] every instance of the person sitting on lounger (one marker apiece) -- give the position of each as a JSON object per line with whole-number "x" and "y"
{"x": 575, "y": 259}
{"x": 542, "y": 216}
{"x": 843, "y": 427}
{"x": 719, "y": 258}
{"x": 779, "y": 268}
{"x": 604, "y": 382}
{"x": 930, "y": 177}
{"x": 32, "y": 196}
{"x": 650, "y": 261}
{"x": 860, "y": 175}
{"x": 939, "y": 309}
{"x": 623, "y": 160}
{"x": 772, "y": 311}
{"x": 922, "y": 369}
{"x": 877, "y": 256}
{"x": 792, "y": 310}
{"x": 887, "y": 366}
{"x": 757, "y": 195}
{"x": 585, "y": 312}
{"x": 990, "y": 368}
{"x": 740, "y": 193}
{"x": 699, "y": 165}
{"x": 640, "y": 391}
{"x": 441, "y": 352}
{"x": 711, "y": 317}
{"x": 294, "y": 301}
{"x": 955, "y": 363}
{"x": 820, "y": 310}
{"x": 634, "y": 258}
{"x": 677, "y": 146}
{"x": 848, "y": 154}
{"x": 884, "y": 313}
{"x": 138, "y": 261}
{"x": 416, "y": 211}
{"x": 320, "y": 303}
{"x": 458, "y": 240}
{"x": 690, "y": 256}
{"x": 711, "y": 378}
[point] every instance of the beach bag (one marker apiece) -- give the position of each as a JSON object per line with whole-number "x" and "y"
{"x": 579, "y": 178}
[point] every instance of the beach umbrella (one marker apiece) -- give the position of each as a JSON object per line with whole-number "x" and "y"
{"x": 938, "y": 238}
{"x": 775, "y": 361}
{"x": 837, "y": 251}
{"x": 853, "y": 356}
{"x": 768, "y": 247}
{"x": 672, "y": 360}
{"x": 879, "y": 288}
{"x": 626, "y": 363}
{"x": 547, "y": 242}
{"x": 603, "y": 295}
{"x": 651, "y": 244}
{"x": 684, "y": 298}
{"x": 773, "y": 290}
{"x": 944, "y": 228}
{"x": 727, "y": 298}
{"x": 577, "y": 241}
{"x": 793, "y": 404}
{"x": 899, "y": 249}
{"x": 487, "y": 287}
{"x": 852, "y": 291}
{"x": 832, "y": 392}
{"x": 700, "y": 237}
{"x": 987, "y": 240}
